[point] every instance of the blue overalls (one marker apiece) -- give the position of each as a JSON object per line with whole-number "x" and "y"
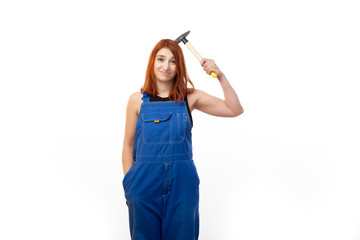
{"x": 162, "y": 186}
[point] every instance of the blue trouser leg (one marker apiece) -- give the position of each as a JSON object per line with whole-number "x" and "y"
{"x": 145, "y": 222}
{"x": 144, "y": 201}
{"x": 181, "y": 204}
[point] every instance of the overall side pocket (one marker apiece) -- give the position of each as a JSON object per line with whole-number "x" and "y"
{"x": 127, "y": 175}
{"x": 195, "y": 170}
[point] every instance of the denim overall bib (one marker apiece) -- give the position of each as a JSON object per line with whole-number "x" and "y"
{"x": 162, "y": 186}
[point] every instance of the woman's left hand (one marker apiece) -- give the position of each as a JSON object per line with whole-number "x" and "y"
{"x": 210, "y": 66}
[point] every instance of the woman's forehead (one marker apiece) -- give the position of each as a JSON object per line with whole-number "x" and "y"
{"x": 165, "y": 52}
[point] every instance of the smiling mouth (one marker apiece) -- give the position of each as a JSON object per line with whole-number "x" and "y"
{"x": 166, "y": 73}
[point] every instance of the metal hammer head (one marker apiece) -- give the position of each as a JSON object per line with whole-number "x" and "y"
{"x": 183, "y": 38}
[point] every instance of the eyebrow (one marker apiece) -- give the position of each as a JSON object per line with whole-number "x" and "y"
{"x": 164, "y": 56}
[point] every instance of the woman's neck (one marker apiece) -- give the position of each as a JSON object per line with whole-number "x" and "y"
{"x": 164, "y": 88}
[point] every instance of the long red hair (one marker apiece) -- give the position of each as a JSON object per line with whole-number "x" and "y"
{"x": 179, "y": 89}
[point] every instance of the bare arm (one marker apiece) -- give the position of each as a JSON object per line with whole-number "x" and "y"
{"x": 230, "y": 107}
{"x": 130, "y": 126}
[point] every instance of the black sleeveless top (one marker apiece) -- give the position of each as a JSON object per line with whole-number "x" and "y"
{"x": 161, "y": 99}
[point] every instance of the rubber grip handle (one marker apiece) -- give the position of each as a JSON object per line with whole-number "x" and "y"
{"x": 214, "y": 75}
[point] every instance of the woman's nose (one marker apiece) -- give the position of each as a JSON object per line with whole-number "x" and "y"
{"x": 165, "y": 65}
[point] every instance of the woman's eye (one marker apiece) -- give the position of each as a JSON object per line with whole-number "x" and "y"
{"x": 173, "y": 62}
{"x": 160, "y": 59}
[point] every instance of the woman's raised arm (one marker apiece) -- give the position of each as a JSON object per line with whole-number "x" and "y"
{"x": 229, "y": 107}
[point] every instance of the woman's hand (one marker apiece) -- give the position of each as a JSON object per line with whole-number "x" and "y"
{"x": 210, "y": 66}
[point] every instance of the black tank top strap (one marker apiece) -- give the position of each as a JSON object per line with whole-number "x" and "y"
{"x": 188, "y": 108}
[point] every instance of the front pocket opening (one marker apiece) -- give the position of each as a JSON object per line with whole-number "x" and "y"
{"x": 156, "y": 117}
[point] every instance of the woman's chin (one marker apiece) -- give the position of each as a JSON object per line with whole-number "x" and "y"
{"x": 164, "y": 79}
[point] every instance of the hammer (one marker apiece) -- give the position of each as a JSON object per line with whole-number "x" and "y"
{"x": 183, "y": 39}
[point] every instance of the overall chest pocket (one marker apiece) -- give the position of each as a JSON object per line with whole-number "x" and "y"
{"x": 163, "y": 128}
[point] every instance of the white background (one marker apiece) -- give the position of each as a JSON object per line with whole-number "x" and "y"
{"x": 288, "y": 168}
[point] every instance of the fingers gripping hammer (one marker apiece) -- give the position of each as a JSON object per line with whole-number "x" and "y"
{"x": 183, "y": 39}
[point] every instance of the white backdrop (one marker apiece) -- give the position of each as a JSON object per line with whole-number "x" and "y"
{"x": 288, "y": 168}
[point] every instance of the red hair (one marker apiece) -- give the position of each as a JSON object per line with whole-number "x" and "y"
{"x": 179, "y": 89}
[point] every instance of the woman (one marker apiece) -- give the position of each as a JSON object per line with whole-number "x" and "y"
{"x": 161, "y": 183}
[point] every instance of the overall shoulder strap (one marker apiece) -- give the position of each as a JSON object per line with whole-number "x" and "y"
{"x": 145, "y": 97}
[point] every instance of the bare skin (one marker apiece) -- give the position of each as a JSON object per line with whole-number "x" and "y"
{"x": 228, "y": 107}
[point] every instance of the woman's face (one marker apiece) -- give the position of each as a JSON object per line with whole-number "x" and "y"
{"x": 165, "y": 65}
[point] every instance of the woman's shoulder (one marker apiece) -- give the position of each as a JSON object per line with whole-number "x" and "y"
{"x": 135, "y": 101}
{"x": 194, "y": 93}
{"x": 136, "y": 96}
{"x": 193, "y": 96}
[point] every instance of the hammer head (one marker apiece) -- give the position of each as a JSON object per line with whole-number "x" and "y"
{"x": 182, "y": 38}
